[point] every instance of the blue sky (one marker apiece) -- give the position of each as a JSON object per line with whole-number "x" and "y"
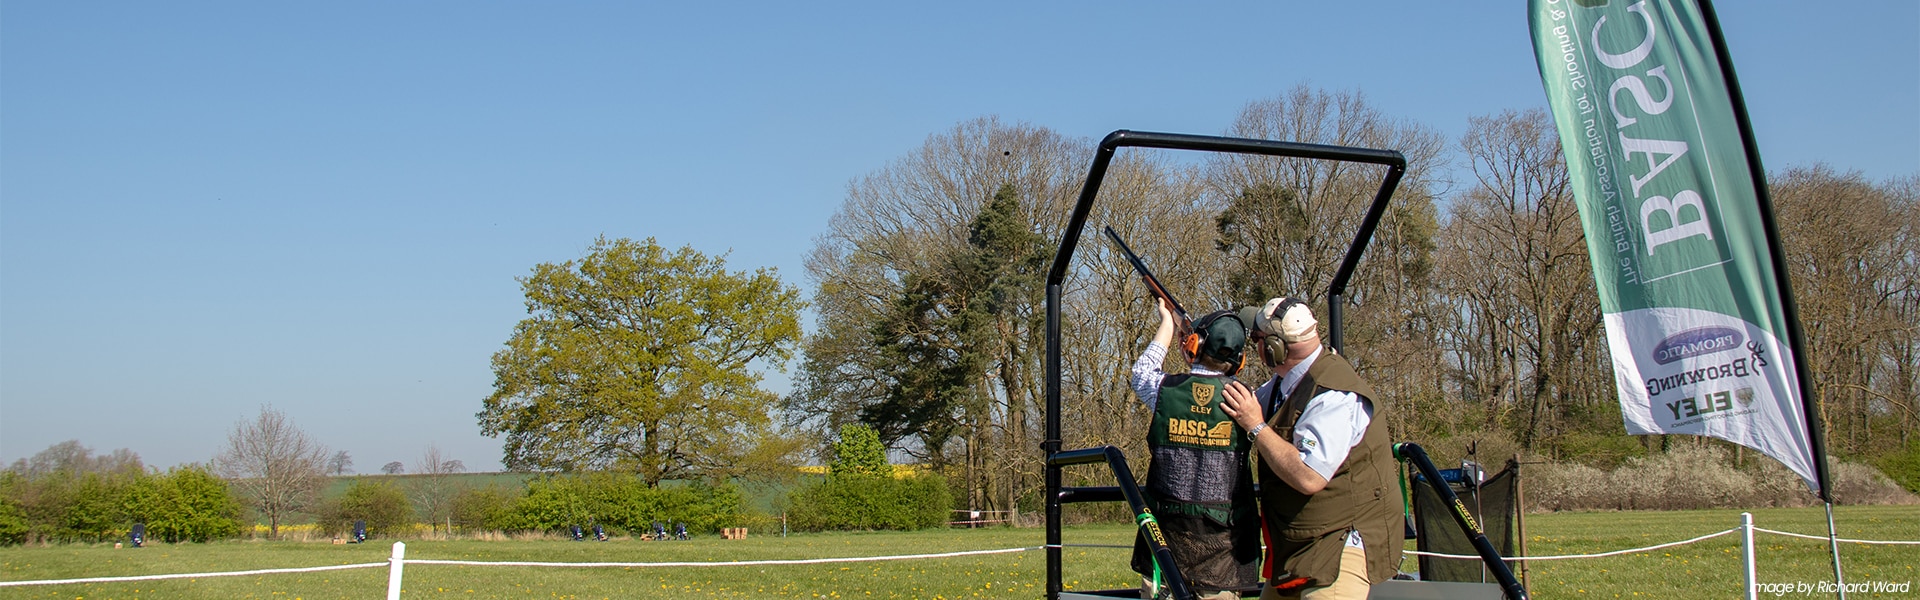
{"x": 206, "y": 207}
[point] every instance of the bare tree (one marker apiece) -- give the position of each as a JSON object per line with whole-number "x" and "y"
{"x": 72, "y": 457}
{"x": 1525, "y": 334}
{"x": 393, "y": 468}
{"x": 340, "y": 464}
{"x": 1852, "y": 249}
{"x": 924, "y": 218}
{"x": 273, "y": 465}
{"x": 1284, "y": 225}
{"x": 433, "y": 491}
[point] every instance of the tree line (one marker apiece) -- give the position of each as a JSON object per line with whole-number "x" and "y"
{"x": 270, "y": 471}
{"x": 1474, "y": 311}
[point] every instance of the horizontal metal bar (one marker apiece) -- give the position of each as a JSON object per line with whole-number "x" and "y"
{"x": 1108, "y": 493}
{"x": 1083, "y": 456}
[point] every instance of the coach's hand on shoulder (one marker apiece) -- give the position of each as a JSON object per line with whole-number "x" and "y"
{"x": 1243, "y": 407}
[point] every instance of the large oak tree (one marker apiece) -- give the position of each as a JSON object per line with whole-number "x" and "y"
{"x": 638, "y": 359}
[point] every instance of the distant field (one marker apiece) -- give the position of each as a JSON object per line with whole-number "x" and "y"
{"x": 1708, "y": 569}
{"x": 473, "y": 480}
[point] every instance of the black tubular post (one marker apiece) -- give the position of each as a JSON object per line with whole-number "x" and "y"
{"x": 1503, "y": 574}
{"x": 1070, "y": 241}
{"x": 1337, "y": 293}
{"x": 1050, "y": 446}
{"x": 1176, "y": 584}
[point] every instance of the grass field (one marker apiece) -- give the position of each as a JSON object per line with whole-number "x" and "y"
{"x": 1710, "y": 569}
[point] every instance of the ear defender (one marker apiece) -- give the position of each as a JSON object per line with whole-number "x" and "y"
{"x": 1273, "y": 349}
{"x": 1203, "y": 329}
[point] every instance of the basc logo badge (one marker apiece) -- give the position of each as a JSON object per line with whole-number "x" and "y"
{"x": 1202, "y": 393}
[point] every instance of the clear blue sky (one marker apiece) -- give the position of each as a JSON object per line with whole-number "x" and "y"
{"x": 206, "y": 207}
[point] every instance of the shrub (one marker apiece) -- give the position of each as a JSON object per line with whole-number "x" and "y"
{"x": 702, "y": 507}
{"x": 871, "y": 502}
{"x": 1855, "y": 483}
{"x": 1903, "y": 466}
{"x": 1688, "y": 476}
{"x": 483, "y": 508}
{"x": 1699, "y": 475}
{"x": 13, "y": 523}
{"x": 188, "y": 503}
{"x": 623, "y": 502}
{"x": 380, "y": 503}
{"x": 1567, "y": 487}
{"x": 96, "y": 506}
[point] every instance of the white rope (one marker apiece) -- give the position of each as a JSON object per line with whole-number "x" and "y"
{"x": 806, "y": 561}
{"x": 1567, "y": 556}
{"x": 1085, "y": 546}
{"x": 193, "y": 575}
{"x": 1824, "y": 538}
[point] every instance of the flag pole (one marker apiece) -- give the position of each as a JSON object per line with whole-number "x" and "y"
{"x": 1809, "y": 404}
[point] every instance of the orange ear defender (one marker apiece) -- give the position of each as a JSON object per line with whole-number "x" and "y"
{"x": 1193, "y": 340}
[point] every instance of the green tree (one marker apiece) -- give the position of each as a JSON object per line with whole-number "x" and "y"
{"x": 66, "y": 492}
{"x": 950, "y": 326}
{"x": 187, "y": 503}
{"x": 483, "y": 508}
{"x": 13, "y": 523}
{"x": 859, "y": 451}
{"x": 380, "y": 503}
{"x": 640, "y": 360}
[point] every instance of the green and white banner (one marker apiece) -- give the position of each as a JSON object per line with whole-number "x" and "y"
{"x": 1674, "y": 223}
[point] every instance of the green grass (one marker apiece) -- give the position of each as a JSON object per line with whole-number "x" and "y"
{"x": 1713, "y": 567}
{"x": 1707, "y": 569}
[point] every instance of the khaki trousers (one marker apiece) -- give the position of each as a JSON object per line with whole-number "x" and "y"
{"x": 1350, "y": 585}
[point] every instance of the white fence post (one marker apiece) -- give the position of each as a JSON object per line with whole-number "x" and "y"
{"x": 1746, "y": 546}
{"x": 400, "y": 560}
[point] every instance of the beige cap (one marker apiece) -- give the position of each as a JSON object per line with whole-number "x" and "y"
{"x": 1293, "y": 323}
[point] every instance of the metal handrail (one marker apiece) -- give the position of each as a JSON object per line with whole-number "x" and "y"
{"x": 1174, "y": 583}
{"x": 1413, "y": 453}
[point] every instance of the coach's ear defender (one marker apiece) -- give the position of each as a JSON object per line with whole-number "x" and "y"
{"x": 1272, "y": 348}
{"x": 1220, "y": 336}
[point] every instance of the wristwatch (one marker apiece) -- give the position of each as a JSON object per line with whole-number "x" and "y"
{"x": 1255, "y": 432}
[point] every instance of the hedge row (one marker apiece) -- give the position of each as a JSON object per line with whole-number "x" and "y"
{"x": 183, "y": 504}
{"x": 1696, "y": 477}
{"x": 620, "y": 502}
{"x": 866, "y": 501}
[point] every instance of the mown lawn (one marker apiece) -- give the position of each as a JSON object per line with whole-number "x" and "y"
{"x": 1707, "y": 569}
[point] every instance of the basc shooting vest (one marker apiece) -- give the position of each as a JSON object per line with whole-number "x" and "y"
{"x": 1309, "y": 532}
{"x": 1200, "y": 487}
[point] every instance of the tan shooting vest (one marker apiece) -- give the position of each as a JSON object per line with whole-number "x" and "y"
{"x": 1309, "y": 532}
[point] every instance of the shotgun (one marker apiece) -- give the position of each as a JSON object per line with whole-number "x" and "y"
{"x": 1182, "y": 323}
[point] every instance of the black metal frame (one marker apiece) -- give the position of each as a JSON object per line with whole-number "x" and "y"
{"x": 1128, "y": 491}
{"x": 1336, "y": 300}
{"x": 1503, "y": 574}
{"x": 1070, "y": 240}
